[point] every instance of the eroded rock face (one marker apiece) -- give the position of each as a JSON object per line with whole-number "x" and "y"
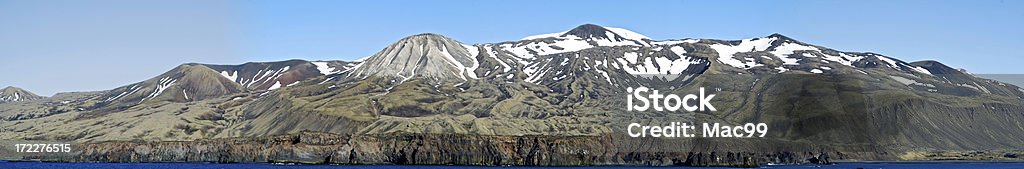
{"x": 322, "y": 148}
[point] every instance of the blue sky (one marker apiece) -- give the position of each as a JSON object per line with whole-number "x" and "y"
{"x": 71, "y": 45}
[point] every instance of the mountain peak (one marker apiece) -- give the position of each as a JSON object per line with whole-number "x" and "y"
{"x": 186, "y": 82}
{"x": 15, "y": 94}
{"x": 428, "y": 35}
{"x": 424, "y": 55}
{"x": 782, "y": 38}
{"x": 10, "y": 88}
{"x": 778, "y": 35}
{"x": 588, "y": 31}
{"x": 595, "y": 31}
{"x": 424, "y": 37}
{"x": 936, "y": 67}
{"x": 592, "y": 31}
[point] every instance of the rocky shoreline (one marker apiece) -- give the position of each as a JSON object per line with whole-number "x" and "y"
{"x": 419, "y": 149}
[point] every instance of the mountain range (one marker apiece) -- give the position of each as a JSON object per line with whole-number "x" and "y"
{"x": 550, "y": 99}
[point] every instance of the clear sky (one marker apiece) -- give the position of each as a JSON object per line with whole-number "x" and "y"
{"x": 73, "y": 45}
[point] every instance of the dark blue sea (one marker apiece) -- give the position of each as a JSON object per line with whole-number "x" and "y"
{"x": 48, "y": 165}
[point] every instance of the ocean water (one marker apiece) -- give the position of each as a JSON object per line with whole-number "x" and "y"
{"x": 36, "y": 165}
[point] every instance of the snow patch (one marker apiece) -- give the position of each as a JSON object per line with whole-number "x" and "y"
{"x": 627, "y": 33}
{"x": 908, "y": 82}
{"x": 976, "y": 86}
{"x": 131, "y": 90}
{"x": 726, "y": 52}
{"x": 453, "y": 62}
{"x": 162, "y": 85}
{"x": 473, "y": 52}
{"x": 541, "y": 36}
{"x": 471, "y": 49}
{"x": 275, "y": 86}
{"x": 631, "y": 56}
{"x": 783, "y": 51}
{"x": 633, "y": 64}
{"x": 571, "y": 43}
{"x": 602, "y": 72}
{"x": 233, "y": 76}
{"x": 263, "y": 76}
{"x": 892, "y": 63}
{"x": 525, "y": 51}
{"x": 614, "y": 42}
{"x": 921, "y": 69}
{"x": 674, "y": 42}
{"x": 781, "y": 69}
{"x": 861, "y": 71}
{"x": 679, "y": 51}
{"x": 494, "y": 55}
{"x": 323, "y": 68}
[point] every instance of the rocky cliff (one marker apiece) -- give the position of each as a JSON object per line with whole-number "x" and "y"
{"x": 424, "y": 149}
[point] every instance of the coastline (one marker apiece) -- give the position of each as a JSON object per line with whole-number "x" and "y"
{"x": 411, "y": 149}
{"x": 912, "y": 164}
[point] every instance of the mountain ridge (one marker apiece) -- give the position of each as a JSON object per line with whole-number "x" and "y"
{"x": 566, "y": 89}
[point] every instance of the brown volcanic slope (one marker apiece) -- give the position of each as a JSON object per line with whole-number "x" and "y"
{"x": 184, "y": 83}
{"x": 172, "y": 100}
{"x": 555, "y": 100}
{"x": 193, "y": 82}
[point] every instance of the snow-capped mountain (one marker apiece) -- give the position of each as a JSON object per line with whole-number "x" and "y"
{"x": 602, "y": 36}
{"x": 781, "y": 53}
{"x": 775, "y": 52}
{"x": 616, "y": 56}
{"x": 13, "y": 94}
{"x": 579, "y": 38}
{"x": 554, "y": 57}
{"x": 610, "y": 56}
